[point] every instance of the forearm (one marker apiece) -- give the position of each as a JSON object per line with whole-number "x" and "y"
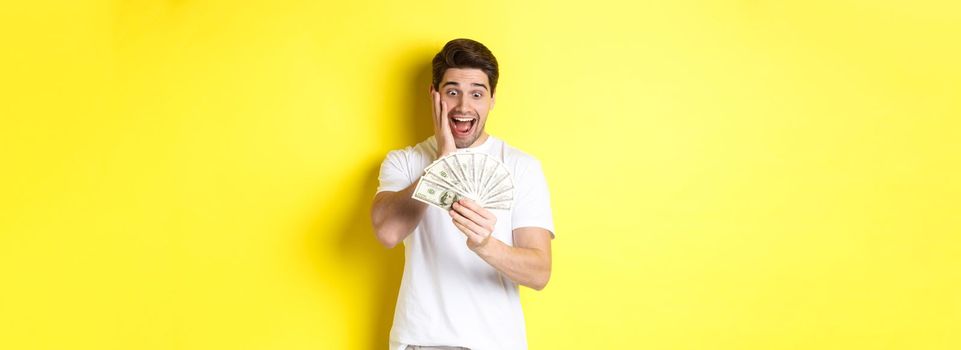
{"x": 530, "y": 267}
{"x": 395, "y": 215}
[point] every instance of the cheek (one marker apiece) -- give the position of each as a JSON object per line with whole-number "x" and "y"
{"x": 482, "y": 106}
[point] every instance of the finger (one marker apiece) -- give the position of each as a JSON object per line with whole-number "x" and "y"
{"x": 472, "y": 206}
{"x": 436, "y": 108}
{"x": 466, "y": 212}
{"x": 465, "y": 230}
{"x": 443, "y": 116}
{"x": 479, "y": 227}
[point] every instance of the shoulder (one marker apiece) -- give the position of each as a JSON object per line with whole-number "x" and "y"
{"x": 426, "y": 148}
{"x": 521, "y": 162}
{"x": 403, "y": 166}
{"x": 412, "y": 156}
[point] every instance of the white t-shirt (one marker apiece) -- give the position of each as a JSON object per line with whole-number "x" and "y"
{"x": 449, "y": 296}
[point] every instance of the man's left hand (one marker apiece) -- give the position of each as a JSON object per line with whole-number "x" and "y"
{"x": 474, "y": 221}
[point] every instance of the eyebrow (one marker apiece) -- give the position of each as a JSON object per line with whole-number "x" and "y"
{"x": 458, "y": 84}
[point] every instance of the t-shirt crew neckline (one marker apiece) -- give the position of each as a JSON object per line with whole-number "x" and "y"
{"x": 483, "y": 147}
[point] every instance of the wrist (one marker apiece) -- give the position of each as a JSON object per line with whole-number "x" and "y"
{"x": 485, "y": 247}
{"x": 442, "y": 154}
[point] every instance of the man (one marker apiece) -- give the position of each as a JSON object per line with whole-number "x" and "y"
{"x": 463, "y": 266}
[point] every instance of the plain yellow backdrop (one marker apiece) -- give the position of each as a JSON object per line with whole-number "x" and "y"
{"x": 724, "y": 174}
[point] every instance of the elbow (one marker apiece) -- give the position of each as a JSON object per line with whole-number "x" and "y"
{"x": 386, "y": 240}
{"x": 540, "y": 279}
{"x": 538, "y": 286}
{"x": 540, "y": 282}
{"x": 388, "y": 244}
{"x": 383, "y": 234}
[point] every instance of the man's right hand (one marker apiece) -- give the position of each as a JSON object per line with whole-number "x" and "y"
{"x": 445, "y": 139}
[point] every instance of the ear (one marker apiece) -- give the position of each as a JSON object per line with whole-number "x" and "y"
{"x": 430, "y": 88}
{"x": 493, "y": 100}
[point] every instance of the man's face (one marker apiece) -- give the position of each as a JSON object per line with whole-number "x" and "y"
{"x": 468, "y": 97}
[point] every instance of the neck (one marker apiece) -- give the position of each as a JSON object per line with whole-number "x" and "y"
{"x": 480, "y": 140}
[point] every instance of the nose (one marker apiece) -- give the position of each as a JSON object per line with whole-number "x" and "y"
{"x": 460, "y": 104}
{"x": 461, "y": 100}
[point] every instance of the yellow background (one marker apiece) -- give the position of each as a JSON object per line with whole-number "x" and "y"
{"x": 725, "y": 174}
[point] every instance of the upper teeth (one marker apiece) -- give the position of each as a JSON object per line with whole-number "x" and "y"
{"x": 463, "y": 119}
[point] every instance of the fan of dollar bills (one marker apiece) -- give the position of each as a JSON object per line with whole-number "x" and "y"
{"x": 477, "y": 176}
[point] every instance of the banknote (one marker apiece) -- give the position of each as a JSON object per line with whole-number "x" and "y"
{"x": 463, "y": 174}
{"x": 436, "y": 194}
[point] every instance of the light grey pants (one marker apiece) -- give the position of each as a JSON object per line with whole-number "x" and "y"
{"x": 415, "y": 347}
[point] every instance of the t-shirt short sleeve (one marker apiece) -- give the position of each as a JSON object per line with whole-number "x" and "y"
{"x": 394, "y": 172}
{"x": 532, "y": 205}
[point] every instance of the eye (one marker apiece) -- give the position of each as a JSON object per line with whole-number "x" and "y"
{"x": 478, "y": 95}
{"x": 452, "y": 92}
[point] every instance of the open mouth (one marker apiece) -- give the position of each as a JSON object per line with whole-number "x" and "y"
{"x": 462, "y": 126}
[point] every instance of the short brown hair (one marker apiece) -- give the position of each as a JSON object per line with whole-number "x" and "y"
{"x": 465, "y": 53}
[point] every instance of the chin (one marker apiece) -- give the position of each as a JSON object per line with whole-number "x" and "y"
{"x": 464, "y": 143}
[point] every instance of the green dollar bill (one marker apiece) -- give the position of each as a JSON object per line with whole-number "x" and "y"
{"x": 435, "y": 194}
